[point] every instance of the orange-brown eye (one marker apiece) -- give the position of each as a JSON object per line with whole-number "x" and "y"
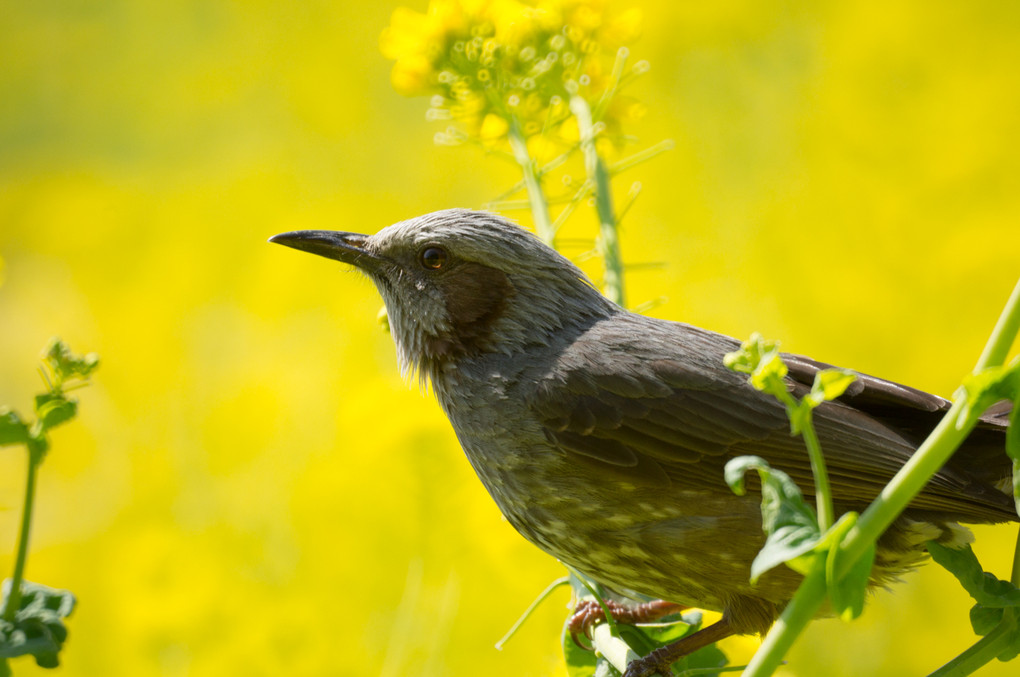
{"x": 433, "y": 257}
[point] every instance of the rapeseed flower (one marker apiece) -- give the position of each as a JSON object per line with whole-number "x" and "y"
{"x": 509, "y": 67}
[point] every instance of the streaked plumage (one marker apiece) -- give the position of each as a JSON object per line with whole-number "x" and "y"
{"x": 602, "y": 434}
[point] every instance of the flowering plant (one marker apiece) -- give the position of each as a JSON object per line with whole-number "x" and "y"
{"x": 537, "y": 80}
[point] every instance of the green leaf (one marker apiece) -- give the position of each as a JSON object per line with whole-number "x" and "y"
{"x": 38, "y": 628}
{"x": 709, "y": 657}
{"x": 65, "y": 365}
{"x": 769, "y": 374}
{"x": 1012, "y": 649}
{"x": 1016, "y": 486}
{"x": 1013, "y": 435}
{"x": 580, "y": 663}
{"x": 988, "y": 386}
{"x": 986, "y": 589}
{"x": 53, "y": 409}
{"x": 790, "y": 525}
{"x": 750, "y": 354}
{"x": 984, "y": 619}
{"x": 12, "y": 429}
{"x": 831, "y": 383}
{"x": 646, "y": 638}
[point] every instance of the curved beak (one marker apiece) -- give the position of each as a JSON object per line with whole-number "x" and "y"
{"x": 345, "y": 247}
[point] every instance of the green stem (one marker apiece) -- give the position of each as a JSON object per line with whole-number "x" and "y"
{"x": 904, "y": 486}
{"x": 1006, "y": 329}
{"x": 933, "y": 452}
{"x": 795, "y": 617}
{"x": 532, "y": 181}
{"x": 598, "y": 175}
{"x": 14, "y": 598}
{"x": 527, "y": 612}
{"x": 1014, "y": 577}
{"x": 908, "y": 482}
{"x": 610, "y": 646}
{"x": 981, "y": 652}
{"x": 823, "y": 494}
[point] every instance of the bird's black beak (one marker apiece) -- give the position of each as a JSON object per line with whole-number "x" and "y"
{"x": 346, "y": 247}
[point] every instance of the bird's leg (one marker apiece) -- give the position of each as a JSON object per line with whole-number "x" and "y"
{"x": 589, "y": 612}
{"x": 658, "y": 661}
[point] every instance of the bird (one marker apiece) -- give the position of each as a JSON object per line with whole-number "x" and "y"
{"x": 602, "y": 434}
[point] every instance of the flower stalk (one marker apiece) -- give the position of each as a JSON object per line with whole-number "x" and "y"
{"x": 608, "y": 242}
{"x": 532, "y": 183}
{"x": 14, "y": 597}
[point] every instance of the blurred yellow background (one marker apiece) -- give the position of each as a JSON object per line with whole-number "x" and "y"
{"x": 251, "y": 489}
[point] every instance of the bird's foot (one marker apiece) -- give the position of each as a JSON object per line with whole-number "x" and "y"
{"x": 659, "y": 661}
{"x": 589, "y": 612}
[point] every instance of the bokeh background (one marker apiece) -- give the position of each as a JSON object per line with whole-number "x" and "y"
{"x": 252, "y": 489}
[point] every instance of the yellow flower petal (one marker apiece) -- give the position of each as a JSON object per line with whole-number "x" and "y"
{"x": 493, "y": 127}
{"x": 412, "y": 75}
{"x": 624, "y": 28}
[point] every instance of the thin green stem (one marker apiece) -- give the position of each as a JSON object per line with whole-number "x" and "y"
{"x": 597, "y": 595}
{"x": 1015, "y": 573}
{"x": 598, "y": 175}
{"x": 531, "y": 608}
{"x": 641, "y": 156}
{"x": 795, "y": 617}
{"x": 981, "y": 652}
{"x": 823, "y": 494}
{"x": 1003, "y": 335}
{"x": 532, "y": 181}
{"x": 903, "y": 487}
{"x": 14, "y": 597}
{"x": 933, "y": 452}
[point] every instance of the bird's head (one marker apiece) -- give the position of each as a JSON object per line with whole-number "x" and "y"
{"x": 459, "y": 283}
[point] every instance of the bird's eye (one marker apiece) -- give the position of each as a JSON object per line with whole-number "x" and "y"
{"x": 433, "y": 257}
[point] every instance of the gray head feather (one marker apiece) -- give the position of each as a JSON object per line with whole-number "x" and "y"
{"x": 435, "y": 314}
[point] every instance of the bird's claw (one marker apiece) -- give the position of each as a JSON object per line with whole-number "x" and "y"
{"x": 589, "y": 613}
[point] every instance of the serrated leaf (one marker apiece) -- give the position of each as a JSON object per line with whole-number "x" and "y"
{"x": 986, "y": 589}
{"x": 53, "y": 409}
{"x": 831, "y": 383}
{"x": 65, "y": 364}
{"x": 12, "y": 429}
{"x": 749, "y": 356}
{"x": 38, "y": 628}
{"x": 736, "y": 470}
{"x": 790, "y": 525}
{"x": 769, "y": 374}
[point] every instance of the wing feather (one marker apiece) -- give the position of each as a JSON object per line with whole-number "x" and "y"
{"x": 675, "y": 422}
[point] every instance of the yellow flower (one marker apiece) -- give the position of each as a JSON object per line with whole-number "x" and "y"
{"x": 509, "y": 60}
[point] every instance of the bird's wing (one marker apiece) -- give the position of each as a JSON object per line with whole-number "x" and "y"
{"x": 914, "y": 414}
{"x": 614, "y": 404}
